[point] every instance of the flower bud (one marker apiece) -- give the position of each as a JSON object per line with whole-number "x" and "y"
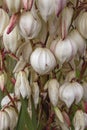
{"x": 13, "y": 117}
{"x": 81, "y": 24}
{"x": 22, "y": 85}
{"x": 4, "y": 21}
{"x": 53, "y": 90}
{"x": 29, "y": 25}
{"x": 78, "y": 120}
{"x": 4, "y": 120}
{"x": 35, "y": 93}
{"x": 13, "y": 7}
{"x": 66, "y": 94}
{"x": 42, "y": 60}
{"x": 47, "y": 6}
{"x": 12, "y": 41}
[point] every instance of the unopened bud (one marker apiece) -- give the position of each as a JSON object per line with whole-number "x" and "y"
{"x": 53, "y": 91}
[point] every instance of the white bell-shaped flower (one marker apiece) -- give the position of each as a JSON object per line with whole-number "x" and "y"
{"x": 13, "y": 40}
{"x": 71, "y": 91}
{"x": 29, "y": 25}
{"x": 61, "y": 52}
{"x": 66, "y": 94}
{"x": 42, "y": 60}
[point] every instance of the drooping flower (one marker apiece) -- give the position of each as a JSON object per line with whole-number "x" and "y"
{"x": 42, "y": 60}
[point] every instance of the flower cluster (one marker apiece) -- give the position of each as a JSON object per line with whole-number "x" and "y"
{"x": 43, "y": 60}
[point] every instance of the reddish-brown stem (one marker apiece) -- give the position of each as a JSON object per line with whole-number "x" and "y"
{"x": 50, "y": 120}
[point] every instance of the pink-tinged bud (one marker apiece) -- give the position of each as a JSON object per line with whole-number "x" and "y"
{"x": 13, "y": 7}
{"x": 27, "y": 4}
{"x": 4, "y": 120}
{"x": 13, "y": 22}
{"x": 59, "y": 5}
{"x": 4, "y": 21}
